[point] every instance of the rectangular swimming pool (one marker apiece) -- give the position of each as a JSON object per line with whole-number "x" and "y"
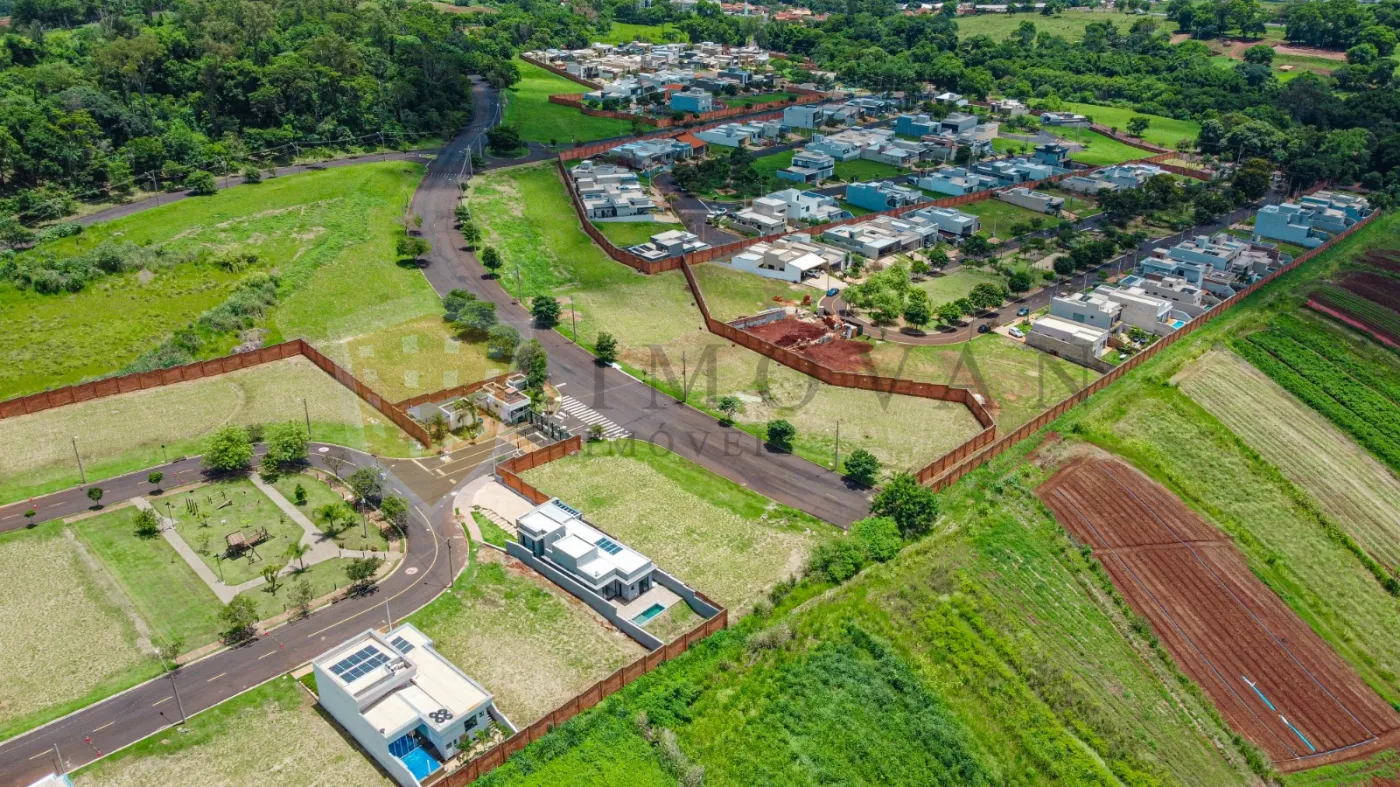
{"x": 420, "y": 763}
{"x": 652, "y": 611}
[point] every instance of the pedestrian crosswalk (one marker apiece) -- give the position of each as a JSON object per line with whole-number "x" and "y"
{"x": 572, "y": 410}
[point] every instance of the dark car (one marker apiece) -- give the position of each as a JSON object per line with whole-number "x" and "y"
{"x": 833, "y": 292}
{"x": 1022, "y": 312}
{"x": 983, "y": 328}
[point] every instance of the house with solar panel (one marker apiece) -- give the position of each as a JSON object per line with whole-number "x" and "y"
{"x": 556, "y": 533}
{"x": 406, "y": 704}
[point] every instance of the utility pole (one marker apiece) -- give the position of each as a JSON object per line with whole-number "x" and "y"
{"x": 519, "y": 285}
{"x": 81, "y": 472}
{"x": 836, "y": 461}
{"x": 174, "y": 687}
{"x": 685, "y": 380}
{"x": 163, "y": 455}
{"x": 573, "y": 318}
{"x": 307, "y": 412}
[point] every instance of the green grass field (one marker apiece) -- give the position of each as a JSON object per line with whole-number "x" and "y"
{"x": 1068, "y": 25}
{"x": 318, "y": 494}
{"x": 228, "y": 507}
{"x": 624, "y": 33}
{"x": 416, "y": 357}
{"x": 528, "y": 109}
{"x": 768, "y": 166}
{"x": 998, "y": 217}
{"x": 755, "y": 98}
{"x": 1100, "y": 150}
{"x": 526, "y": 214}
{"x": 722, "y": 539}
{"x": 329, "y": 235}
{"x": 273, "y": 731}
{"x": 1163, "y": 131}
{"x": 957, "y": 284}
{"x": 862, "y": 170}
{"x": 120, "y": 434}
{"x": 731, "y": 294}
{"x": 1078, "y": 204}
{"x": 1008, "y": 145}
{"x": 631, "y": 233}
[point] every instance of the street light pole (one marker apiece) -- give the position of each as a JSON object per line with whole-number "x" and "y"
{"x": 836, "y": 461}
{"x": 81, "y": 472}
{"x": 306, "y": 411}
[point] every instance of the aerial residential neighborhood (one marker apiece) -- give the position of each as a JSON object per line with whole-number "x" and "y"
{"x": 677, "y": 392}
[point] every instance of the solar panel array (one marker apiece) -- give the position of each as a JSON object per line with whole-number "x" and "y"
{"x": 608, "y": 545}
{"x": 401, "y": 644}
{"x": 359, "y": 663}
{"x": 569, "y": 508}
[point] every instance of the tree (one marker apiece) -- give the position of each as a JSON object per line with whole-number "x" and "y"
{"x": 331, "y": 516}
{"x": 1259, "y": 54}
{"x": 298, "y": 551}
{"x": 470, "y": 233}
{"x": 976, "y": 246}
{"x": 94, "y": 494}
{"x": 366, "y": 485}
{"x": 937, "y": 258}
{"x": 531, "y": 359}
{"x": 987, "y": 295}
{"x": 911, "y": 505}
{"x": 1018, "y": 282}
{"x": 299, "y": 495}
{"x": 168, "y": 651}
{"x": 545, "y": 309}
{"x": 878, "y": 536}
{"x": 252, "y": 175}
{"x": 729, "y": 407}
{"x": 229, "y": 450}
{"x": 491, "y": 259}
{"x": 1064, "y": 265}
{"x": 476, "y": 317}
{"x": 361, "y": 570}
{"x": 1137, "y": 125}
{"x": 462, "y": 213}
{"x": 240, "y": 618}
{"x": 862, "y": 467}
{"x": 147, "y": 523}
{"x": 1251, "y": 180}
{"x": 949, "y": 313}
{"x": 837, "y": 560}
{"x": 595, "y": 433}
{"x": 502, "y": 340}
{"x": 201, "y": 183}
{"x": 504, "y": 140}
{"x": 301, "y": 597}
{"x": 411, "y": 247}
{"x": 606, "y": 348}
{"x": 918, "y": 312}
{"x": 154, "y": 479}
{"x": 270, "y": 574}
{"x": 14, "y": 234}
{"x": 780, "y": 434}
{"x": 286, "y": 444}
{"x": 395, "y": 511}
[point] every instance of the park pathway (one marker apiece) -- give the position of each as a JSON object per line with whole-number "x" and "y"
{"x": 196, "y": 564}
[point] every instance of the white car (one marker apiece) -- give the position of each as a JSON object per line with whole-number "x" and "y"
{"x": 1015, "y": 333}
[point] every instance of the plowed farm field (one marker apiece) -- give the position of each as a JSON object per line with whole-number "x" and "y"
{"x": 1271, "y": 677}
{"x": 1375, "y": 287}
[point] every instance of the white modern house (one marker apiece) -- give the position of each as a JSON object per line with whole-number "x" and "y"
{"x": 1140, "y": 310}
{"x": 790, "y": 258}
{"x": 1038, "y": 201}
{"x": 1073, "y": 341}
{"x": 506, "y": 400}
{"x": 610, "y": 192}
{"x": 409, "y": 707}
{"x": 1088, "y": 309}
{"x": 671, "y": 243}
{"x": 556, "y": 533}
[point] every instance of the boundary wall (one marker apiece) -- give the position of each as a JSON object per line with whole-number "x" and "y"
{"x": 489, "y": 761}
{"x": 140, "y": 381}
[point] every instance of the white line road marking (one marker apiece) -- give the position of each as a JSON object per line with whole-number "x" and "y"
{"x": 167, "y": 699}
{"x": 216, "y": 677}
{"x": 41, "y": 754}
{"x": 265, "y": 655}
{"x": 105, "y": 726}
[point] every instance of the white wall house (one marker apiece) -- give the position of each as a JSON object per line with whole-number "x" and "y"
{"x": 506, "y": 401}
{"x": 1073, "y": 341}
{"x": 409, "y": 707}
{"x": 555, "y": 532}
{"x": 1140, "y": 310}
{"x": 1087, "y": 309}
{"x": 791, "y": 258}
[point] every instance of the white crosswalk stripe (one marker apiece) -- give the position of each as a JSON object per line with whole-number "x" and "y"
{"x": 572, "y": 409}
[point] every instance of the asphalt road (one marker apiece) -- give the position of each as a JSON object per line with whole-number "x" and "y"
{"x": 150, "y": 707}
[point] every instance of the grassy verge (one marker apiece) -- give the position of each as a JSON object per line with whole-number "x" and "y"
{"x": 491, "y": 531}
{"x": 528, "y": 109}
{"x": 726, "y": 541}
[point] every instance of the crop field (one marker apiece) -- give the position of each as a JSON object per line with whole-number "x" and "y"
{"x": 998, "y": 217}
{"x": 230, "y": 507}
{"x": 329, "y": 235}
{"x": 731, "y": 294}
{"x": 1355, "y": 490}
{"x": 956, "y": 284}
{"x": 1225, "y": 628}
{"x": 1099, "y": 150}
{"x": 415, "y": 357}
{"x": 272, "y": 734}
{"x": 528, "y": 109}
{"x": 726, "y": 541}
{"x": 123, "y": 433}
{"x": 1369, "y": 316}
{"x": 978, "y": 656}
{"x": 1382, "y": 289}
{"x": 172, "y": 600}
{"x": 1162, "y": 131}
{"x": 525, "y": 213}
{"x": 501, "y": 616}
{"x": 1069, "y": 25}
{"x": 67, "y": 640}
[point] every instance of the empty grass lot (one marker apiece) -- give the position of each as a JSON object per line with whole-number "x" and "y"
{"x": 171, "y": 598}
{"x": 731, "y": 294}
{"x": 528, "y": 109}
{"x": 624, "y": 33}
{"x": 998, "y": 217}
{"x": 67, "y": 640}
{"x": 329, "y": 235}
{"x": 726, "y": 541}
{"x": 120, "y": 434}
{"x": 957, "y": 283}
{"x": 755, "y": 98}
{"x": 526, "y": 214}
{"x": 416, "y": 357}
{"x": 227, "y": 507}
{"x": 272, "y": 734}
{"x": 1099, "y": 150}
{"x": 862, "y": 170}
{"x": 1163, "y": 131}
{"x": 631, "y": 233}
{"x": 500, "y": 617}
{"x": 1068, "y": 25}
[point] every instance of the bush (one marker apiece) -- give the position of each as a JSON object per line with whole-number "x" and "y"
{"x": 862, "y": 467}
{"x": 879, "y": 537}
{"x": 912, "y": 506}
{"x": 252, "y": 175}
{"x": 201, "y": 183}
{"x": 780, "y": 434}
{"x": 606, "y": 347}
{"x": 836, "y": 560}
{"x": 229, "y": 449}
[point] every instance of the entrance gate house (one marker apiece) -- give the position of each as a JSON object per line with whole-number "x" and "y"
{"x": 548, "y": 426}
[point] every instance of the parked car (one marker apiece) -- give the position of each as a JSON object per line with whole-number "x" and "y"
{"x": 833, "y": 292}
{"x": 1015, "y": 333}
{"x": 983, "y": 328}
{"x": 1022, "y": 312}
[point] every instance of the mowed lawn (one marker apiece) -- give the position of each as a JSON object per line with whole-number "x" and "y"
{"x": 123, "y": 433}
{"x": 1099, "y": 150}
{"x": 1163, "y": 131}
{"x": 632, "y": 233}
{"x": 755, "y": 98}
{"x": 998, "y": 217}
{"x": 416, "y": 357}
{"x": 705, "y": 530}
{"x": 528, "y": 109}
{"x": 526, "y": 640}
{"x": 273, "y": 734}
{"x": 957, "y": 283}
{"x": 329, "y": 236}
{"x": 206, "y": 516}
{"x": 525, "y": 212}
{"x": 66, "y": 638}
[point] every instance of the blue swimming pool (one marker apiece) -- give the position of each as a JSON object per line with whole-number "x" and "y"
{"x": 420, "y": 763}
{"x": 652, "y": 611}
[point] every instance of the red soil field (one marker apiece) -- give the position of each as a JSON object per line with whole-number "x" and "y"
{"x": 787, "y": 332}
{"x": 842, "y": 355}
{"x": 1375, "y": 287}
{"x": 1270, "y": 676}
